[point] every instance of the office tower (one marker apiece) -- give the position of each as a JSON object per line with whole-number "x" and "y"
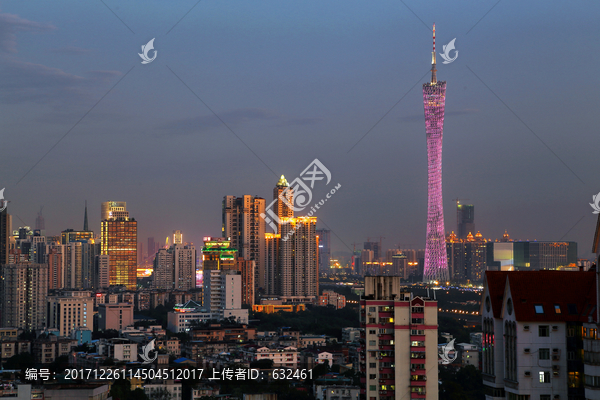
{"x": 113, "y": 209}
{"x": 282, "y": 207}
{"x": 140, "y": 253}
{"x": 151, "y": 247}
{"x": 434, "y": 101}
{"x": 101, "y": 266}
{"x": 400, "y": 355}
{"x": 70, "y": 311}
{"x": 272, "y": 242}
{"x": 23, "y": 290}
{"x": 244, "y": 226}
{"x": 177, "y": 237}
{"x": 399, "y": 265}
{"x": 297, "y": 269}
{"x": 5, "y": 234}
{"x": 247, "y": 270}
{"x": 366, "y": 261}
{"x": 465, "y": 219}
{"x": 40, "y": 223}
{"x": 375, "y": 247}
{"x": 533, "y": 326}
{"x": 218, "y": 254}
{"x": 324, "y": 249}
{"x": 119, "y": 241}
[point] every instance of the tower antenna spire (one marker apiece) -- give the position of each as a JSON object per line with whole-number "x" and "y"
{"x": 433, "y": 69}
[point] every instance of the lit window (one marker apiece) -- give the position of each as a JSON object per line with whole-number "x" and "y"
{"x": 544, "y": 377}
{"x": 557, "y": 309}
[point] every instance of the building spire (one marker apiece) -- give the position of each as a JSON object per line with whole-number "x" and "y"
{"x": 85, "y": 219}
{"x": 433, "y": 70}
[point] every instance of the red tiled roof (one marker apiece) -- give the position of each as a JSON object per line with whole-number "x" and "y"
{"x": 496, "y": 281}
{"x": 573, "y": 291}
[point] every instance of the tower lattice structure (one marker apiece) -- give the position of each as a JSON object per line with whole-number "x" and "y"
{"x": 434, "y": 101}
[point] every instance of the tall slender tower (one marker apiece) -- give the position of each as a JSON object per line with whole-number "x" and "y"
{"x": 434, "y": 101}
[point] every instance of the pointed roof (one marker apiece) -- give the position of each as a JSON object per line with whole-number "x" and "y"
{"x": 283, "y": 182}
{"x": 596, "y": 243}
{"x": 495, "y": 283}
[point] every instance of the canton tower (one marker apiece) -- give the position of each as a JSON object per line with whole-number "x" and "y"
{"x": 434, "y": 101}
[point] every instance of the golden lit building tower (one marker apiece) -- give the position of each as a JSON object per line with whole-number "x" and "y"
{"x": 281, "y": 208}
{"x": 244, "y": 226}
{"x": 272, "y": 241}
{"x": 177, "y": 237}
{"x": 297, "y": 272}
{"x": 119, "y": 241}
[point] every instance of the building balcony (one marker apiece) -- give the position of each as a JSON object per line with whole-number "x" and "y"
{"x": 387, "y": 359}
{"x": 418, "y": 396}
{"x": 386, "y": 336}
{"x": 386, "y": 314}
{"x": 386, "y": 370}
{"x": 386, "y": 347}
{"x": 417, "y": 315}
{"x": 418, "y": 383}
{"x": 417, "y": 348}
{"x": 417, "y": 338}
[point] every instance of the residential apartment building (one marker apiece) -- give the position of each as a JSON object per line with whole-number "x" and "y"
{"x": 399, "y": 354}
{"x": 69, "y": 312}
{"x": 532, "y": 333}
{"x": 115, "y": 316}
{"x": 23, "y": 290}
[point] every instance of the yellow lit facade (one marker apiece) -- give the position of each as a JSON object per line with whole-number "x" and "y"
{"x": 119, "y": 242}
{"x": 274, "y": 308}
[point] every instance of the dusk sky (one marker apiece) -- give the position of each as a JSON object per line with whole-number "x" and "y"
{"x": 297, "y": 81}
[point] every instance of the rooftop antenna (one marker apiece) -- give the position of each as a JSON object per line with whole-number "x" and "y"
{"x": 433, "y": 70}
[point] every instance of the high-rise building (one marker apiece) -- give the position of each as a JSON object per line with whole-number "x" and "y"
{"x": 55, "y": 266}
{"x": 175, "y": 268}
{"x": 69, "y": 235}
{"x": 375, "y": 248}
{"x": 101, "y": 266}
{"x": 271, "y": 262}
{"x": 113, "y": 209}
{"x": 119, "y": 241}
{"x": 509, "y": 255}
{"x": 282, "y": 207}
{"x": 244, "y": 226}
{"x": 69, "y": 311}
{"x": 465, "y": 219}
{"x": 184, "y": 266}
{"x": 467, "y": 258}
{"x": 297, "y": 270}
{"x": 533, "y": 326}
{"x": 177, "y": 237}
{"x": 246, "y": 269}
{"x": 324, "y": 249}
{"x": 85, "y": 219}
{"x": 151, "y": 247}
{"x": 40, "y": 223}
{"x": 23, "y": 290}
{"x": 218, "y": 254}
{"x": 434, "y": 102}
{"x": 162, "y": 275}
{"x": 5, "y": 234}
{"x": 223, "y": 295}
{"x": 399, "y": 359}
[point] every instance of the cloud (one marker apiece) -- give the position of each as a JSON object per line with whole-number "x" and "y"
{"x": 233, "y": 118}
{"x": 70, "y": 50}
{"x": 10, "y": 24}
{"x": 22, "y": 81}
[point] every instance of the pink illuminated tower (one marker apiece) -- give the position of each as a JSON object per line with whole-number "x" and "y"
{"x": 434, "y": 100}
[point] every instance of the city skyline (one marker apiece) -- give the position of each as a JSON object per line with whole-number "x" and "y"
{"x": 491, "y": 157}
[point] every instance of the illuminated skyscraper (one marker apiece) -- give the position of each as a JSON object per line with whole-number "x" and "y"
{"x": 177, "y": 237}
{"x": 119, "y": 241}
{"x": 244, "y": 226}
{"x": 434, "y": 101}
{"x": 112, "y": 209}
{"x": 297, "y": 269}
{"x": 281, "y": 208}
